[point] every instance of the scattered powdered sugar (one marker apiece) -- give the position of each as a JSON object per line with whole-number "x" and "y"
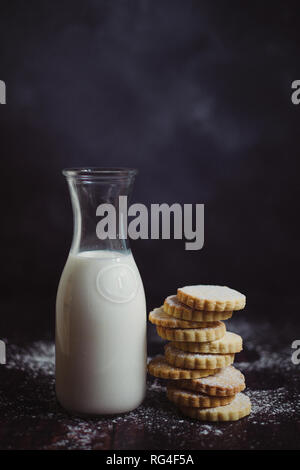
{"x": 267, "y": 360}
{"x": 36, "y": 359}
{"x": 183, "y": 354}
{"x": 32, "y": 417}
{"x": 218, "y": 294}
{"x": 228, "y": 377}
{"x": 274, "y": 404}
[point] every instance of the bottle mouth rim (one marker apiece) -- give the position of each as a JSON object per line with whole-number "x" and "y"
{"x": 103, "y": 173}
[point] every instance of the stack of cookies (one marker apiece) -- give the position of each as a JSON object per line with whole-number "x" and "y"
{"x": 198, "y": 359}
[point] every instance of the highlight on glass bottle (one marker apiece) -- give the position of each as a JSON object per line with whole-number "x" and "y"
{"x": 100, "y": 307}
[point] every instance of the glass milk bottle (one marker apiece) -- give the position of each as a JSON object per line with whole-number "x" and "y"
{"x": 100, "y": 306}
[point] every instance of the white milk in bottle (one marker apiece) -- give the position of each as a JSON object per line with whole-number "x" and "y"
{"x": 100, "y": 322}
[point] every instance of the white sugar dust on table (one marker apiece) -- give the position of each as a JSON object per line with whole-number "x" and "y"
{"x": 272, "y": 385}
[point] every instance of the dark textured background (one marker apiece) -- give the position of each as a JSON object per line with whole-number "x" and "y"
{"x": 196, "y": 95}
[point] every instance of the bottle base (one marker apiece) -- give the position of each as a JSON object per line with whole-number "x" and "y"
{"x": 96, "y": 414}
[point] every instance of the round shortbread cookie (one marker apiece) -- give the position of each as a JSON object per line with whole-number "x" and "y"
{"x": 230, "y": 343}
{"x": 195, "y": 399}
{"x": 160, "y": 368}
{"x": 237, "y": 409}
{"x": 173, "y": 307}
{"x": 160, "y": 318}
{"x": 215, "y": 331}
{"x": 227, "y": 382}
{"x": 179, "y": 358}
{"x": 211, "y": 298}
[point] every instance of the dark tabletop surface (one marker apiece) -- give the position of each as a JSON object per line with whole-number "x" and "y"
{"x": 31, "y": 418}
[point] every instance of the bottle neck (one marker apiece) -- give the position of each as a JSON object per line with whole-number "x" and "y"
{"x": 98, "y": 222}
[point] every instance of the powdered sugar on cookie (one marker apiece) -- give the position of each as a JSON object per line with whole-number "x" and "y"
{"x": 211, "y": 298}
